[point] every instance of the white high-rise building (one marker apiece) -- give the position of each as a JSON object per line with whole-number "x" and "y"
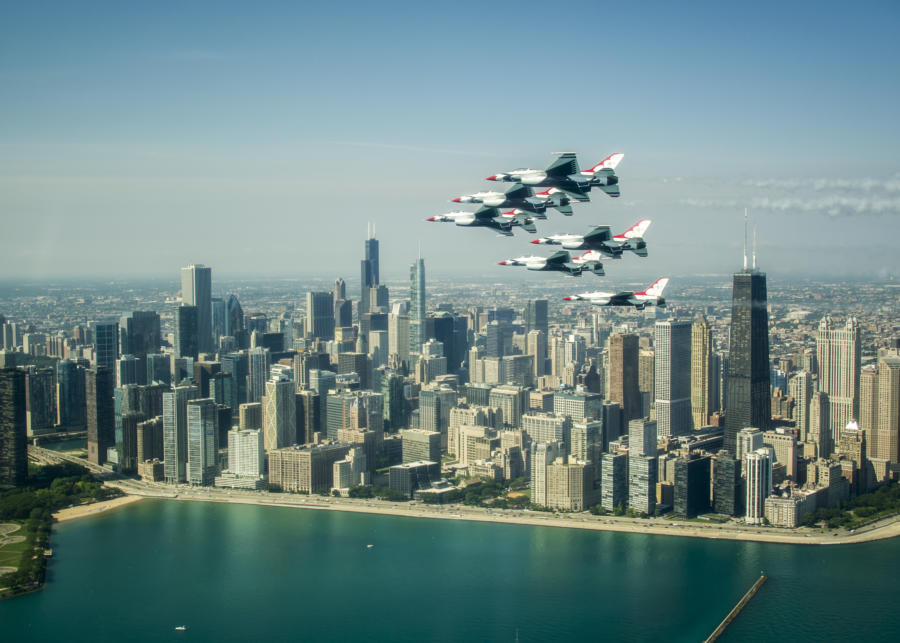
{"x": 542, "y": 456}
{"x": 800, "y": 387}
{"x": 672, "y": 377}
{"x": 202, "y": 441}
{"x": 642, "y": 437}
{"x": 246, "y": 456}
{"x": 175, "y": 439}
{"x": 758, "y": 466}
{"x": 257, "y": 373}
{"x": 416, "y": 306}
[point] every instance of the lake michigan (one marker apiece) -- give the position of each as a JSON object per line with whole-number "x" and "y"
{"x": 245, "y": 572}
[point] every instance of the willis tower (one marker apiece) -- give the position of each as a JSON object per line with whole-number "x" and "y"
{"x": 368, "y": 271}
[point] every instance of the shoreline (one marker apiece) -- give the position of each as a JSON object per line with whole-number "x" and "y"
{"x": 886, "y": 528}
{"x": 82, "y": 511}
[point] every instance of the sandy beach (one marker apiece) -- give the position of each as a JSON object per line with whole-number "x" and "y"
{"x": 887, "y": 528}
{"x": 81, "y": 511}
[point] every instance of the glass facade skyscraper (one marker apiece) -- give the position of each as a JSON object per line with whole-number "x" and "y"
{"x": 416, "y": 306}
{"x": 748, "y": 399}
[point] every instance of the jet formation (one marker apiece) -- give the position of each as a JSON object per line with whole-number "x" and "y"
{"x": 562, "y": 184}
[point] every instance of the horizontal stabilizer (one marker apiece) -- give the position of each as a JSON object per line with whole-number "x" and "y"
{"x": 611, "y": 190}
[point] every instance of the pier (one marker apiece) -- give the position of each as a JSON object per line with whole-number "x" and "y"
{"x": 737, "y": 608}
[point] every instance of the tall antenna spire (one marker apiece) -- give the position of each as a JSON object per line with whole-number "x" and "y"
{"x": 754, "y": 245}
{"x": 373, "y": 229}
{"x": 745, "y": 238}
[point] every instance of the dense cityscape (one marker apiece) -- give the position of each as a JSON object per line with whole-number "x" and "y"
{"x": 731, "y": 404}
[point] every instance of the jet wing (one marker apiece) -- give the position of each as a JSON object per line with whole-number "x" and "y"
{"x": 565, "y": 165}
{"x": 621, "y": 299}
{"x": 559, "y": 258}
{"x": 486, "y": 212}
{"x": 598, "y": 235}
{"x": 518, "y": 191}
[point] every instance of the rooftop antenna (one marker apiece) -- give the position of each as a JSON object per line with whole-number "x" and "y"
{"x": 745, "y": 238}
{"x": 754, "y": 245}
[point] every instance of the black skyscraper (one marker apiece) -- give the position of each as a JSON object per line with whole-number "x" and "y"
{"x": 13, "y": 440}
{"x": 101, "y": 421}
{"x": 536, "y": 316}
{"x": 187, "y": 338}
{"x": 748, "y": 400}
{"x": 368, "y": 271}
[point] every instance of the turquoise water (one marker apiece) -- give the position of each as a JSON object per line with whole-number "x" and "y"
{"x": 246, "y": 573}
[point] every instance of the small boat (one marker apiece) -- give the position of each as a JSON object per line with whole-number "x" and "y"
{"x": 181, "y": 628}
{"x": 370, "y": 546}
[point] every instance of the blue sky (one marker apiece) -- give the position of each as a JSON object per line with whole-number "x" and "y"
{"x": 261, "y": 138}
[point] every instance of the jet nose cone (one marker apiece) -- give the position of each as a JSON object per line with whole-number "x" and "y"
{"x": 492, "y": 177}
{"x": 535, "y": 241}
{"x": 501, "y": 263}
{"x": 430, "y": 219}
{"x": 568, "y": 298}
{"x": 457, "y": 200}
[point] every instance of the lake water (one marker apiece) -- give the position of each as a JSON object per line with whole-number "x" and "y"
{"x": 249, "y": 573}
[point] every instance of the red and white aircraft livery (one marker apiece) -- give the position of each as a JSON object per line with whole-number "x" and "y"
{"x": 564, "y": 174}
{"x": 492, "y": 218}
{"x": 650, "y": 297}
{"x": 558, "y": 261}
{"x": 523, "y": 198}
{"x": 602, "y": 240}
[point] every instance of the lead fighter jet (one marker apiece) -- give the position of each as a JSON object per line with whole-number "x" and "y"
{"x": 600, "y": 239}
{"x": 522, "y": 198}
{"x": 650, "y": 297}
{"x": 558, "y": 261}
{"x": 564, "y": 175}
{"x": 492, "y": 218}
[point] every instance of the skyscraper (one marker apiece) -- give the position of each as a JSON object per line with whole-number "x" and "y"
{"x": 672, "y": 375}
{"x": 748, "y": 398}
{"x": 202, "y": 443}
{"x": 368, "y": 271}
{"x": 13, "y": 440}
{"x": 175, "y": 434}
{"x": 758, "y": 466}
{"x": 416, "y": 306}
{"x": 838, "y": 354}
{"x": 101, "y": 422}
{"x": 623, "y": 374}
{"x": 106, "y": 342}
{"x": 196, "y": 290}
{"x": 887, "y": 435}
{"x": 703, "y": 384}
{"x": 70, "y": 400}
{"x": 142, "y": 334}
{"x": 800, "y": 388}
{"x": 279, "y": 414}
{"x": 536, "y": 316}
{"x": 320, "y": 315}
{"x": 187, "y": 331}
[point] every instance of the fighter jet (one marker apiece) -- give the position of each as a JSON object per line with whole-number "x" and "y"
{"x": 564, "y": 174}
{"x": 522, "y": 198}
{"x": 492, "y": 218}
{"x": 650, "y": 297}
{"x": 558, "y": 261}
{"x": 601, "y": 240}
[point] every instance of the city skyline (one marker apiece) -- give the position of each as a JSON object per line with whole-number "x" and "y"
{"x": 201, "y": 126}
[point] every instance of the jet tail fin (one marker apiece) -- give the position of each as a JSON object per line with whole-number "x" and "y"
{"x": 609, "y": 163}
{"x": 656, "y": 288}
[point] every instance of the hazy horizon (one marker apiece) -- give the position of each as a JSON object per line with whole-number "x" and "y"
{"x": 262, "y": 140}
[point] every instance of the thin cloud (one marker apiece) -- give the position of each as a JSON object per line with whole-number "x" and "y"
{"x": 832, "y": 206}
